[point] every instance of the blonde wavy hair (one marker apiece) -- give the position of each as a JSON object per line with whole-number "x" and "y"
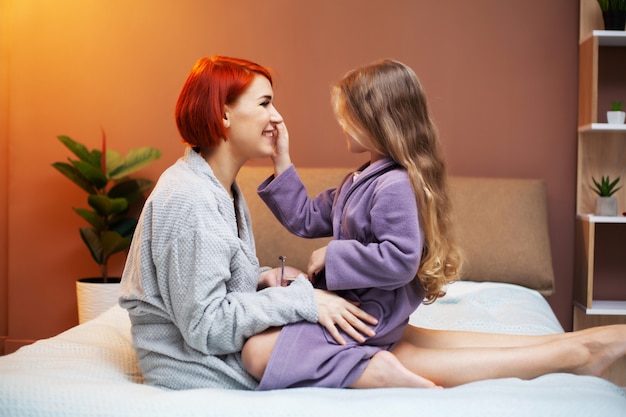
{"x": 384, "y": 105}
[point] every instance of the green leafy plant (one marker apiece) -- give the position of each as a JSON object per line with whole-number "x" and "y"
{"x": 607, "y": 5}
{"x": 616, "y": 106}
{"x": 103, "y": 174}
{"x": 605, "y": 188}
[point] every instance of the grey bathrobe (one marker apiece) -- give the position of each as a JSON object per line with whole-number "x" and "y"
{"x": 190, "y": 283}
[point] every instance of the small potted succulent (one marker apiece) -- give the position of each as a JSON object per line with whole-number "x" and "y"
{"x": 616, "y": 115}
{"x": 103, "y": 175}
{"x": 606, "y": 204}
{"x": 613, "y": 14}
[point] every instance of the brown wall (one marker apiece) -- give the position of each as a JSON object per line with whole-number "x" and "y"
{"x": 501, "y": 77}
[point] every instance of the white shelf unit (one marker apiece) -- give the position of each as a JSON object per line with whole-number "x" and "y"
{"x": 599, "y": 293}
{"x": 601, "y": 151}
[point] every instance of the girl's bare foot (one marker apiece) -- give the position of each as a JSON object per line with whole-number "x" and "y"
{"x": 604, "y": 345}
{"x": 386, "y": 371}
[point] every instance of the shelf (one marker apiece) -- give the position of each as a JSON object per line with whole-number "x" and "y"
{"x": 609, "y": 37}
{"x": 602, "y": 127}
{"x": 591, "y": 218}
{"x": 604, "y": 308}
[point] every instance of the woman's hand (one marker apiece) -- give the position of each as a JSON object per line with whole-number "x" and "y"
{"x": 271, "y": 277}
{"x": 281, "y": 157}
{"x": 317, "y": 261}
{"x": 335, "y": 311}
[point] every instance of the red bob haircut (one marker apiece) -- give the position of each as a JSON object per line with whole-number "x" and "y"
{"x": 212, "y": 83}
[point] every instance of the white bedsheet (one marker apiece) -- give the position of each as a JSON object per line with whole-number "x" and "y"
{"x": 90, "y": 370}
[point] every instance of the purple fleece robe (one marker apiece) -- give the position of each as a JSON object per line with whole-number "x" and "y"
{"x": 372, "y": 259}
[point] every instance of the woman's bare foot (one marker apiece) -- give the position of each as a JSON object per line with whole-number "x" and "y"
{"x": 386, "y": 371}
{"x": 604, "y": 345}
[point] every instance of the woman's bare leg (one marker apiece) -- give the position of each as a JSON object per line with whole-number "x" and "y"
{"x": 454, "y": 358}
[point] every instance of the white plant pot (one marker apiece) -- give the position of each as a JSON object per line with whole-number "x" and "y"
{"x": 606, "y": 206}
{"x": 94, "y": 298}
{"x": 615, "y": 117}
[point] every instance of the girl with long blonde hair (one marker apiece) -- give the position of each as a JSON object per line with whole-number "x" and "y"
{"x": 394, "y": 121}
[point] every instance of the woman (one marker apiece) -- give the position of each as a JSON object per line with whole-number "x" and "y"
{"x": 378, "y": 234}
{"x": 192, "y": 284}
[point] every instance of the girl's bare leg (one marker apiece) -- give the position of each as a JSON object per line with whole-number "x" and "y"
{"x": 256, "y": 352}
{"x": 384, "y": 370}
{"x": 449, "y": 339}
{"x": 454, "y": 358}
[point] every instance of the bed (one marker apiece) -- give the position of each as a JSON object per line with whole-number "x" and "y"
{"x": 91, "y": 369}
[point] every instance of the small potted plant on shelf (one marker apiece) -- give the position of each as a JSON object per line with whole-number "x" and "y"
{"x": 613, "y": 14}
{"x": 616, "y": 115}
{"x": 103, "y": 175}
{"x": 606, "y": 204}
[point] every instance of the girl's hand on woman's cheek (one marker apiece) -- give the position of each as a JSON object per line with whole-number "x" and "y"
{"x": 281, "y": 157}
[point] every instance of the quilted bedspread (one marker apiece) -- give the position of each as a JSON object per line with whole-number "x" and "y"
{"x": 91, "y": 370}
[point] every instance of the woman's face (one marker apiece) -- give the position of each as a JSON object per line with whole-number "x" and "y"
{"x": 251, "y": 121}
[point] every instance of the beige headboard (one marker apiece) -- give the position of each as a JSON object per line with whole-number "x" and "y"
{"x": 501, "y": 226}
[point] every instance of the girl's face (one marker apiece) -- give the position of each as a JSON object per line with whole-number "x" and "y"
{"x": 354, "y": 145}
{"x": 251, "y": 121}
{"x": 359, "y": 144}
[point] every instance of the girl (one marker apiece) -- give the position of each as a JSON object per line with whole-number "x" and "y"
{"x": 390, "y": 220}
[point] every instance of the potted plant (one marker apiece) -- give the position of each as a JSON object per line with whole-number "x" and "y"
{"x": 613, "y": 14}
{"x": 606, "y": 204}
{"x": 103, "y": 175}
{"x": 616, "y": 115}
